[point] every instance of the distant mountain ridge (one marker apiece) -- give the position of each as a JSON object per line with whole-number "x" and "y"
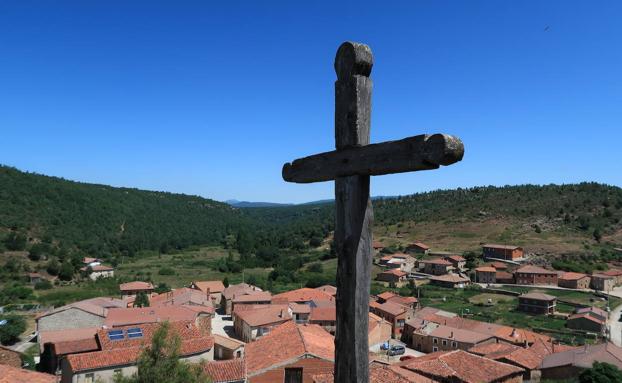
{"x": 244, "y": 204}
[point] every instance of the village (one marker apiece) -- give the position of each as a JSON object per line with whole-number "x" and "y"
{"x": 241, "y": 333}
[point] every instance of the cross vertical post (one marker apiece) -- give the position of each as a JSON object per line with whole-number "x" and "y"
{"x": 354, "y": 216}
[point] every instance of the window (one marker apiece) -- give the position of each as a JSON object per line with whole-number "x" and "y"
{"x": 89, "y": 378}
{"x": 454, "y": 344}
{"x": 115, "y": 335}
{"x": 434, "y": 349}
{"x": 293, "y": 375}
{"x": 435, "y": 340}
{"x": 118, "y": 371}
{"x": 444, "y": 342}
{"x": 134, "y": 333}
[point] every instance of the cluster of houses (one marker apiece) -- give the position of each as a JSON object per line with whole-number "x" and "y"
{"x": 289, "y": 337}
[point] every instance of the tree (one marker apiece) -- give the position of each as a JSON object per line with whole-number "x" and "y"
{"x": 141, "y": 300}
{"x": 159, "y": 363}
{"x": 597, "y": 235}
{"x": 15, "y": 241}
{"x": 601, "y": 372}
{"x": 10, "y": 331}
{"x": 53, "y": 267}
{"x": 66, "y": 271}
{"x": 225, "y": 282}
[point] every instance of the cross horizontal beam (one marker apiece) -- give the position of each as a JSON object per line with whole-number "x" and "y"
{"x": 422, "y": 152}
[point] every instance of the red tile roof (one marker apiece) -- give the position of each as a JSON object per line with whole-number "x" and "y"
{"x": 328, "y": 289}
{"x": 531, "y": 269}
{"x": 584, "y": 357}
{"x": 570, "y": 276}
{"x": 252, "y": 296}
{"x": 493, "y": 350}
{"x": 459, "y": 335}
{"x": 503, "y": 275}
{"x": 75, "y": 346}
{"x": 261, "y": 316}
{"x": 240, "y": 288}
{"x": 324, "y": 314}
{"x": 386, "y": 295}
{"x": 436, "y": 261}
{"x": 586, "y": 316}
{"x": 452, "y": 278}
{"x": 137, "y": 315}
{"x": 538, "y": 296}
{"x": 378, "y": 373}
{"x": 486, "y": 269}
{"x": 224, "y": 371}
{"x": 459, "y": 366}
{"x": 287, "y": 342}
{"x": 390, "y": 308}
{"x": 211, "y": 286}
{"x": 503, "y": 247}
{"x": 180, "y": 297}
{"x": 457, "y": 258}
{"x": 304, "y": 294}
{"x": 612, "y": 273}
{"x": 420, "y": 245}
{"x": 9, "y": 374}
{"x": 126, "y": 352}
{"x": 135, "y": 286}
{"x": 396, "y": 272}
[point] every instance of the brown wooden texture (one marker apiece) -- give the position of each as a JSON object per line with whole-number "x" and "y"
{"x": 354, "y": 215}
{"x": 421, "y": 152}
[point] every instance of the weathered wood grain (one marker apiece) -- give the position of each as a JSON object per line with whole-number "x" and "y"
{"x": 421, "y": 152}
{"x": 353, "y": 215}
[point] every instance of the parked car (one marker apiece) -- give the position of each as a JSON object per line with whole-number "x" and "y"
{"x": 385, "y": 346}
{"x": 397, "y": 349}
{"x": 406, "y": 357}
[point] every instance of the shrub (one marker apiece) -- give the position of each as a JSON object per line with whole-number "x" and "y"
{"x": 166, "y": 271}
{"x": 43, "y": 285}
{"x": 14, "y": 327}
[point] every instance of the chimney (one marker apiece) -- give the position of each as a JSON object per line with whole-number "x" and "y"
{"x": 281, "y": 314}
{"x": 451, "y": 335}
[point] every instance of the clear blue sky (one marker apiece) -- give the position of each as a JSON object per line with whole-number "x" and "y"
{"x": 211, "y": 98}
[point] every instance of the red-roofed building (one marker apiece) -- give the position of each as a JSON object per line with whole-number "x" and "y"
{"x": 485, "y": 274}
{"x": 394, "y": 313}
{"x": 303, "y": 295}
{"x": 328, "y": 289}
{"x": 590, "y": 319}
{"x": 436, "y": 266}
{"x": 462, "y": 367}
{"x": 10, "y": 357}
{"x": 212, "y": 288}
{"x": 432, "y": 337}
{"x": 137, "y": 315}
{"x": 537, "y": 303}
{"x": 232, "y": 291}
{"x": 326, "y": 317}
{"x": 377, "y": 245}
{"x": 572, "y": 280}
{"x": 504, "y": 277}
{"x": 418, "y": 248}
{"x": 11, "y": 374}
{"x": 450, "y": 281}
{"x": 506, "y": 252}
{"x": 566, "y": 365}
{"x": 226, "y": 371}
{"x": 394, "y": 277}
{"x": 251, "y": 298}
{"x": 290, "y": 352}
{"x": 182, "y": 296}
{"x": 253, "y": 322}
{"x": 131, "y": 289}
{"x": 535, "y": 275}
{"x": 119, "y": 349}
{"x": 617, "y": 274}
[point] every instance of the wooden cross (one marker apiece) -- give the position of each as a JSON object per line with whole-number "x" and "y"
{"x": 351, "y": 165}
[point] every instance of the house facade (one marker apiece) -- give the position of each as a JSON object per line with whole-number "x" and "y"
{"x": 537, "y": 303}
{"x": 602, "y": 282}
{"x": 572, "y": 280}
{"x": 485, "y": 274}
{"x": 507, "y": 252}
{"x": 535, "y": 275}
{"x": 436, "y": 266}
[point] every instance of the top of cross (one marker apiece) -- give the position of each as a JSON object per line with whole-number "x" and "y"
{"x": 353, "y": 59}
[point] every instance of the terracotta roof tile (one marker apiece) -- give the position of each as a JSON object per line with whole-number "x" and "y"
{"x": 261, "y": 316}
{"x": 324, "y": 314}
{"x": 486, "y": 269}
{"x": 252, "y": 296}
{"x": 436, "y": 261}
{"x": 538, "y": 296}
{"x": 396, "y": 272}
{"x": 180, "y": 297}
{"x": 458, "y": 365}
{"x": 304, "y": 294}
{"x": 75, "y": 346}
{"x": 136, "y": 285}
{"x": 224, "y": 371}
{"x": 504, "y": 247}
{"x": 229, "y": 343}
{"x": 240, "y": 288}
{"x": 10, "y": 374}
{"x": 570, "y": 276}
{"x": 138, "y": 315}
{"x": 531, "y": 269}
{"x": 328, "y": 289}
{"x": 211, "y": 286}
{"x": 286, "y": 342}
{"x": 386, "y": 295}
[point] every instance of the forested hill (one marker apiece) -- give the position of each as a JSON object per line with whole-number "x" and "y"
{"x": 106, "y": 221}
{"x": 103, "y": 220}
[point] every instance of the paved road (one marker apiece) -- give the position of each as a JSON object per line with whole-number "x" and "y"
{"x": 223, "y": 325}
{"x": 615, "y": 326}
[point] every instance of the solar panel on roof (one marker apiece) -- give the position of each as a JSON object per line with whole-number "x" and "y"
{"x": 115, "y": 335}
{"x": 134, "y": 333}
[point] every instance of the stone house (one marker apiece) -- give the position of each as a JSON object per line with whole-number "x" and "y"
{"x": 394, "y": 313}
{"x": 433, "y": 337}
{"x": 454, "y": 281}
{"x": 537, "y": 303}
{"x": 418, "y": 248}
{"x": 602, "y": 282}
{"x": 535, "y": 275}
{"x": 590, "y": 319}
{"x": 436, "y": 266}
{"x": 457, "y": 261}
{"x": 567, "y": 365}
{"x": 131, "y": 289}
{"x": 617, "y": 274}
{"x": 119, "y": 349}
{"x": 393, "y": 277}
{"x": 213, "y": 288}
{"x": 35, "y": 278}
{"x": 572, "y": 280}
{"x": 485, "y": 274}
{"x": 504, "y": 277}
{"x": 227, "y": 348}
{"x": 236, "y": 290}
{"x": 506, "y": 252}
{"x": 403, "y": 262}
{"x": 253, "y": 322}
{"x": 252, "y": 298}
